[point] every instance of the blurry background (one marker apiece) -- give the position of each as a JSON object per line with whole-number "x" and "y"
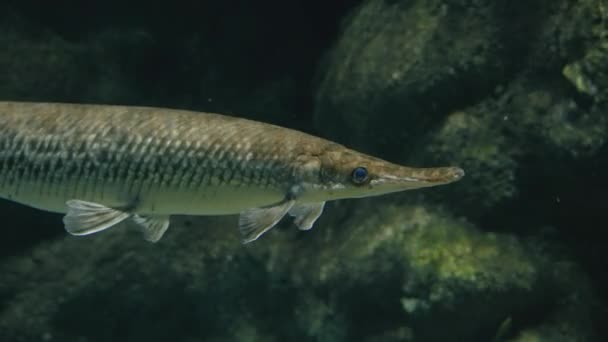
{"x": 513, "y": 92}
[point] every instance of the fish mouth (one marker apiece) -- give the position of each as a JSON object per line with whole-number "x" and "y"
{"x": 448, "y": 174}
{"x": 435, "y": 175}
{"x": 411, "y": 178}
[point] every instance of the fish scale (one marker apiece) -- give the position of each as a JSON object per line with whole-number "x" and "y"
{"x": 120, "y": 155}
{"x": 102, "y": 164}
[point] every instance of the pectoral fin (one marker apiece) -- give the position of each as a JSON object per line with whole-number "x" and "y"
{"x": 255, "y": 222}
{"x": 85, "y": 218}
{"x": 306, "y": 214}
{"x": 153, "y": 226}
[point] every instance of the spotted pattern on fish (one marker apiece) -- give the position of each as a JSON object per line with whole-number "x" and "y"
{"x": 60, "y": 154}
{"x": 102, "y": 164}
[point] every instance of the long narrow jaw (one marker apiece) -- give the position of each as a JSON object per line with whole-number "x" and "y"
{"x": 347, "y": 173}
{"x": 399, "y": 178}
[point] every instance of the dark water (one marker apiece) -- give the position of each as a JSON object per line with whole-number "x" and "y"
{"x": 513, "y": 93}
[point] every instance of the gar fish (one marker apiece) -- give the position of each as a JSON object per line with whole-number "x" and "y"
{"x": 102, "y": 164}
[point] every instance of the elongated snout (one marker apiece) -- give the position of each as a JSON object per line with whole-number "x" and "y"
{"x": 346, "y": 173}
{"x": 399, "y": 178}
{"x": 434, "y": 175}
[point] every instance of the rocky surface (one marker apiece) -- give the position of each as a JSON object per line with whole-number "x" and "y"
{"x": 513, "y": 93}
{"x": 399, "y": 66}
{"x": 402, "y": 273}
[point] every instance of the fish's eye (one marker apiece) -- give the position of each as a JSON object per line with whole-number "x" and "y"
{"x": 359, "y": 175}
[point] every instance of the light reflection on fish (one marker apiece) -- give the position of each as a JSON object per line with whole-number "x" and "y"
{"x": 102, "y": 164}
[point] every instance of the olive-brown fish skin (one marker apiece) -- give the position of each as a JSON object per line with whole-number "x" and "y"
{"x": 156, "y": 161}
{"x": 50, "y": 153}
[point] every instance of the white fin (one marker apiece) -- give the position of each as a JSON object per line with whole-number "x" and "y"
{"x": 255, "y": 222}
{"x": 306, "y": 214}
{"x": 153, "y": 226}
{"x": 84, "y": 218}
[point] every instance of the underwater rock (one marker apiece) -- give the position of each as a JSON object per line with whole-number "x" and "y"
{"x": 562, "y": 30}
{"x": 473, "y": 138}
{"x": 398, "y": 66}
{"x": 518, "y": 107}
{"x": 572, "y": 314}
{"x": 410, "y": 273}
{"x": 399, "y": 273}
{"x": 513, "y": 139}
{"x": 196, "y": 282}
{"x": 504, "y": 104}
{"x": 589, "y": 74}
{"x": 422, "y": 274}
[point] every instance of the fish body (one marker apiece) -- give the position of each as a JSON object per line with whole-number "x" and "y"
{"x": 102, "y": 164}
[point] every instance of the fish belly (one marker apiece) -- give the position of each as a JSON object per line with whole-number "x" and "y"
{"x": 53, "y": 197}
{"x": 207, "y": 201}
{"x": 212, "y": 200}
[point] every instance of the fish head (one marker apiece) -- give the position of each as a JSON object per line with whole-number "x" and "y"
{"x": 345, "y": 173}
